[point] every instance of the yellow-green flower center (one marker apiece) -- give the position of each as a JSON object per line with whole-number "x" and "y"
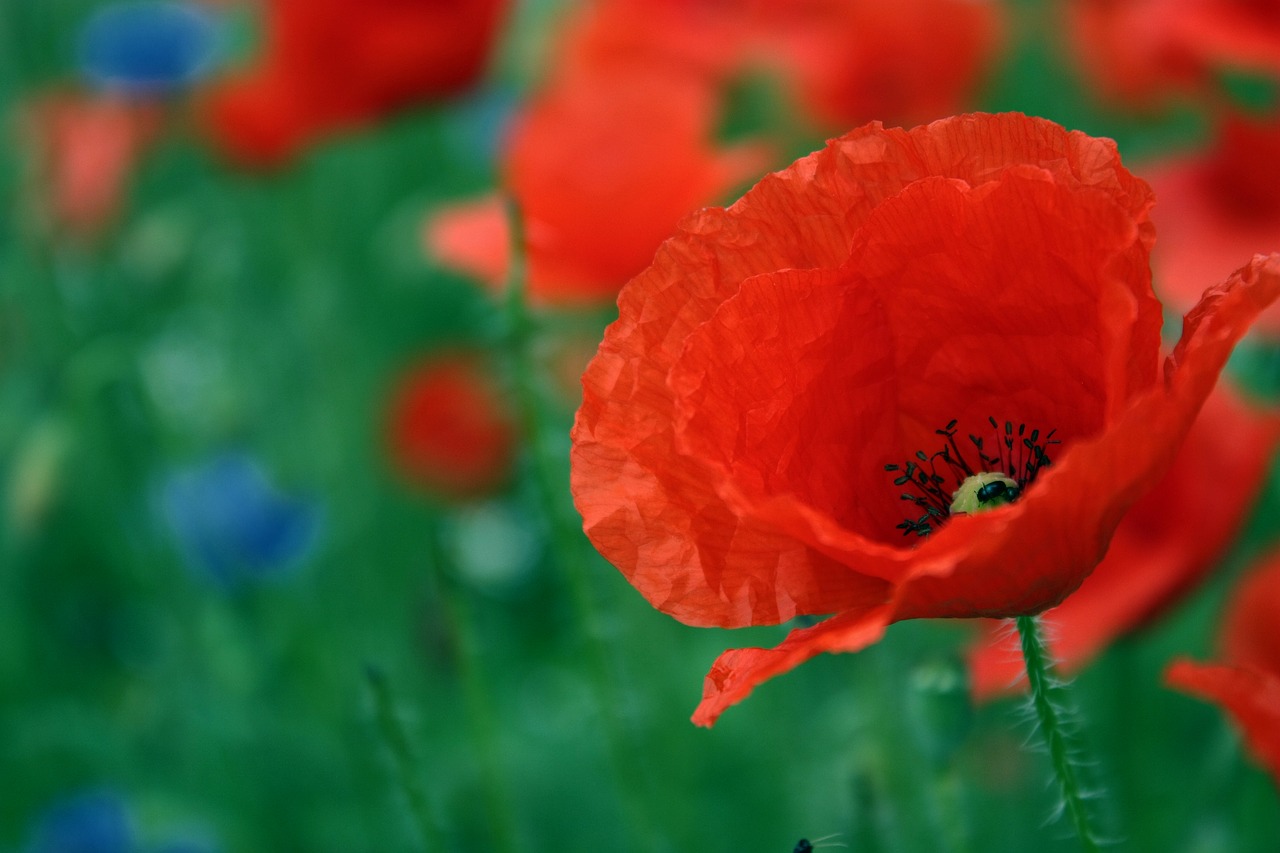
{"x": 984, "y": 491}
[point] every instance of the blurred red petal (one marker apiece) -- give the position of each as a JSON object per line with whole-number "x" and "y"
{"x": 449, "y": 429}
{"x": 1250, "y": 696}
{"x": 333, "y": 64}
{"x": 1217, "y": 208}
{"x": 902, "y": 62}
{"x": 603, "y": 166}
{"x": 472, "y": 237}
{"x": 85, "y": 149}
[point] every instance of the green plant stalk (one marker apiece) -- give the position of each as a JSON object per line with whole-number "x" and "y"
{"x": 459, "y": 625}
{"x": 1043, "y": 687}
{"x": 397, "y": 741}
{"x": 918, "y": 811}
{"x": 568, "y": 541}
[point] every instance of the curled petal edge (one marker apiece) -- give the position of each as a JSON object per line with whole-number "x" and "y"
{"x": 737, "y": 672}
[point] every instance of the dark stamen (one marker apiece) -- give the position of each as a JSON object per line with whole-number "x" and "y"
{"x": 1020, "y": 459}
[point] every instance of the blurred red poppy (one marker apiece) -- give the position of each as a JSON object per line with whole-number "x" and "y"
{"x": 1215, "y": 209}
{"x": 1168, "y": 541}
{"x": 331, "y": 64}
{"x": 706, "y": 38}
{"x": 83, "y": 151}
{"x": 449, "y": 429}
{"x": 1247, "y": 683}
{"x": 1140, "y": 50}
{"x": 902, "y": 62}
{"x": 739, "y": 451}
{"x": 603, "y": 165}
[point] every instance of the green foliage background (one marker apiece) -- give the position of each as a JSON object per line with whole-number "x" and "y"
{"x": 270, "y": 313}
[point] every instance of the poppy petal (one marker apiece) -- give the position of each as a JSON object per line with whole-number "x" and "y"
{"x": 1250, "y": 696}
{"x": 737, "y": 672}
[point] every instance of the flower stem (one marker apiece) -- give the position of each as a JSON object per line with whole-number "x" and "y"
{"x": 569, "y": 544}
{"x": 1045, "y": 690}
{"x": 459, "y": 625}
{"x": 397, "y": 741}
{"x": 917, "y": 811}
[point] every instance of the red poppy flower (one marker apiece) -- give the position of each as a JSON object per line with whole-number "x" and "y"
{"x": 883, "y": 297}
{"x": 331, "y": 64}
{"x": 1136, "y": 50}
{"x": 1247, "y": 684}
{"x": 1215, "y": 209}
{"x": 84, "y": 151}
{"x": 449, "y": 428}
{"x": 906, "y": 61}
{"x": 1164, "y": 546}
{"x": 603, "y": 165}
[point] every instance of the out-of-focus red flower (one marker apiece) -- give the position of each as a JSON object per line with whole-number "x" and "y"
{"x": 1164, "y": 546}
{"x": 1216, "y": 208}
{"x": 706, "y": 38}
{"x": 1139, "y": 50}
{"x": 880, "y": 298}
{"x": 331, "y": 64}
{"x": 84, "y": 150}
{"x": 449, "y": 429}
{"x": 1122, "y": 47}
{"x": 1242, "y": 34}
{"x": 847, "y": 60}
{"x": 902, "y": 62}
{"x": 1247, "y": 683}
{"x": 602, "y": 165}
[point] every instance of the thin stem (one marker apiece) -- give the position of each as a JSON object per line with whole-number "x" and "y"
{"x": 915, "y": 810}
{"x": 407, "y": 775}
{"x": 568, "y": 539}
{"x": 1044, "y": 688}
{"x": 459, "y": 624}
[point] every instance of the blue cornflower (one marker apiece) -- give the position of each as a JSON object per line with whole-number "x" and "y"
{"x": 147, "y": 48}
{"x": 231, "y": 524}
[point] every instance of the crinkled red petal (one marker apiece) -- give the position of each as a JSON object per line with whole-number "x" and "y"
{"x": 654, "y": 511}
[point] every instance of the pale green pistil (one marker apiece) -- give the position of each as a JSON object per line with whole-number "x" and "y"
{"x": 984, "y": 491}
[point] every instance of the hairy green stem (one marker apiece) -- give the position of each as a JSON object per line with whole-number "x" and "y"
{"x": 1044, "y": 689}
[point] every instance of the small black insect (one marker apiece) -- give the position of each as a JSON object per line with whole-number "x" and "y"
{"x": 996, "y": 490}
{"x": 803, "y": 846}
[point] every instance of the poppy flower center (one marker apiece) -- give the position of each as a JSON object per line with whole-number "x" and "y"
{"x": 944, "y": 483}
